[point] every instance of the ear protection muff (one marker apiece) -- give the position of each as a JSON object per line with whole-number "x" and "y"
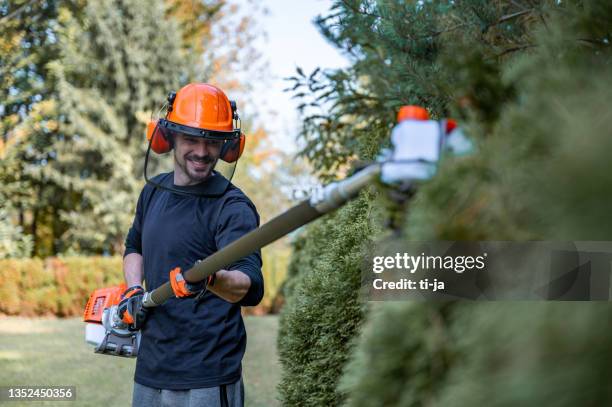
{"x": 159, "y": 143}
{"x": 232, "y": 149}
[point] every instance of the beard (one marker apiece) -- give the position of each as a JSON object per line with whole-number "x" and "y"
{"x": 197, "y": 169}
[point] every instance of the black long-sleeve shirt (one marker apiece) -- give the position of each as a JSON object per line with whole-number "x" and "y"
{"x": 185, "y": 345}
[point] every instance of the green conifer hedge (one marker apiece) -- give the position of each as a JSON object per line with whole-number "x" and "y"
{"x": 528, "y": 81}
{"x": 324, "y": 310}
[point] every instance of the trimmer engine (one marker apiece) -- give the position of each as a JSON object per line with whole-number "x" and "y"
{"x": 104, "y": 328}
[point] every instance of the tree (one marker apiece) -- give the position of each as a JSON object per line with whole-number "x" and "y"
{"x": 27, "y": 45}
{"x": 13, "y": 243}
{"x": 74, "y": 143}
{"x": 110, "y": 72}
{"x": 526, "y": 81}
{"x": 80, "y": 79}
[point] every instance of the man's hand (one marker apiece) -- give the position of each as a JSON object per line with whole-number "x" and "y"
{"x": 131, "y": 310}
{"x": 182, "y": 288}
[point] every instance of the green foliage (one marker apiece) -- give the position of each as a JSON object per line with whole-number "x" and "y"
{"x": 410, "y": 341}
{"x": 27, "y": 45}
{"x": 323, "y": 311}
{"x": 504, "y": 354}
{"x": 80, "y": 79}
{"x": 529, "y": 82}
{"x": 110, "y": 71}
{"x": 56, "y": 286}
{"x": 526, "y": 354}
{"x": 348, "y": 114}
{"x": 396, "y": 49}
{"x": 540, "y": 172}
{"x": 13, "y": 243}
{"x": 73, "y": 128}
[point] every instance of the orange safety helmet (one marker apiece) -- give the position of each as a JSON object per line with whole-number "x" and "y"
{"x": 199, "y": 110}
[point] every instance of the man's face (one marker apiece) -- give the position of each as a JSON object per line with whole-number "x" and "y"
{"x": 194, "y": 158}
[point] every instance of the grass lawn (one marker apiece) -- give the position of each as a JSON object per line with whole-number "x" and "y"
{"x": 54, "y": 352}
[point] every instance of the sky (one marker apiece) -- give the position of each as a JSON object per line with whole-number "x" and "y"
{"x": 292, "y": 40}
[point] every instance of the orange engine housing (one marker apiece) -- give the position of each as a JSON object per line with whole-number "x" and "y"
{"x": 99, "y": 300}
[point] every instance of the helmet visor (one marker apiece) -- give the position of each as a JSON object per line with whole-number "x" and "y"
{"x": 168, "y": 127}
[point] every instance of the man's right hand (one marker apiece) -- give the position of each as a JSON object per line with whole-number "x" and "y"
{"x": 131, "y": 310}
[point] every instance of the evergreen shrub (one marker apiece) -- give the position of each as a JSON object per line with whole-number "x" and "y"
{"x": 538, "y": 174}
{"x": 528, "y": 82}
{"x": 323, "y": 310}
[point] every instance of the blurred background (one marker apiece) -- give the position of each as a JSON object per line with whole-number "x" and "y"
{"x": 318, "y": 85}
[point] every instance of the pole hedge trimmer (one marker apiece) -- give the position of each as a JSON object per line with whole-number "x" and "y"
{"x": 417, "y": 146}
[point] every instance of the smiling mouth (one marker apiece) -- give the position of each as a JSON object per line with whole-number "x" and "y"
{"x": 199, "y": 165}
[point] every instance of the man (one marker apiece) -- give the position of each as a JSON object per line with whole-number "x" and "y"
{"x": 192, "y": 346}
